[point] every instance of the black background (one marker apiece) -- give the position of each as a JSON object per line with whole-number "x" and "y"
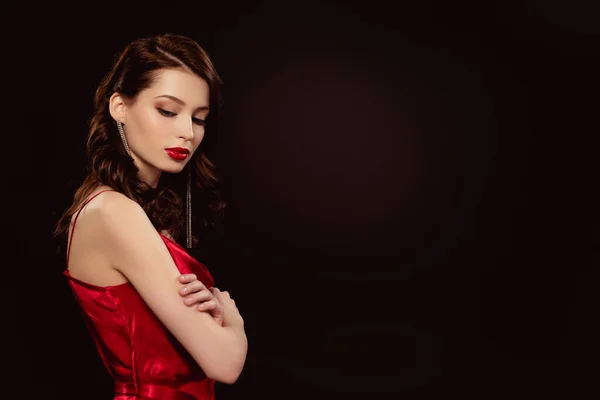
{"x": 411, "y": 192}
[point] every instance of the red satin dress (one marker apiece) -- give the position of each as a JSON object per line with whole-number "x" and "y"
{"x": 142, "y": 356}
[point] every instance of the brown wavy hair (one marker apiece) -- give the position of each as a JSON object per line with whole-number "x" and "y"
{"x": 134, "y": 70}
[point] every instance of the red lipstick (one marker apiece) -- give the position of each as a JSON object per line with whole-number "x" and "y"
{"x": 178, "y": 153}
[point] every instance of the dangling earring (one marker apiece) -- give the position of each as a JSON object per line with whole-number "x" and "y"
{"x": 189, "y": 207}
{"x": 123, "y": 139}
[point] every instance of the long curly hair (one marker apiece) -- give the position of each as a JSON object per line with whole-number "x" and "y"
{"x": 134, "y": 70}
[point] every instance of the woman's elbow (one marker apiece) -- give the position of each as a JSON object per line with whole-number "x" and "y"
{"x": 227, "y": 376}
{"x": 228, "y": 360}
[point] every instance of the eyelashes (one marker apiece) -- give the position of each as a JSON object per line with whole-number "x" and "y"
{"x": 166, "y": 113}
{"x": 169, "y": 114}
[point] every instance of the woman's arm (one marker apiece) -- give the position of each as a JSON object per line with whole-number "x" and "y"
{"x": 134, "y": 248}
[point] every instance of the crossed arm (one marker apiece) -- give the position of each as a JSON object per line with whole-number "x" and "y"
{"x": 194, "y": 293}
{"x": 215, "y": 336}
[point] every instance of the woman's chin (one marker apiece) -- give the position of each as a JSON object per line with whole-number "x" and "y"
{"x": 174, "y": 169}
{"x": 173, "y": 166}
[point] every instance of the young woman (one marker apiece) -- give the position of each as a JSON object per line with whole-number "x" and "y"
{"x": 125, "y": 266}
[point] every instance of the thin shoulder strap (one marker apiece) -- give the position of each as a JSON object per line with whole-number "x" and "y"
{"x": 77, "y": 216}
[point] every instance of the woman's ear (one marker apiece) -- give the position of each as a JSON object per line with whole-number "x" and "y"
{"x": 117, "y": 107}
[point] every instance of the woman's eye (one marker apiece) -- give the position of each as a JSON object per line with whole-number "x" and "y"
{"x": 166, "y": 113}
{"x": 199, "y": 121}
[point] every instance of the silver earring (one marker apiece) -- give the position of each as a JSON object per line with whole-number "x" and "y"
{"x": 189, "y": 207}
{"x": 123, "y": 139}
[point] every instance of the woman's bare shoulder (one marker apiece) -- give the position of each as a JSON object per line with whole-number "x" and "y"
{"x": 105, "y": 196}
{"x": 116, "y": 214}
{"x": 116, "y": 229}
{"x": 88, "y": 259}
{"x": 108, "y": 215}
{"x": 106, "y": 206}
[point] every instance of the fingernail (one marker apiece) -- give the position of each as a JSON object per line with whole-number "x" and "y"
{"x": 184, "y": 290}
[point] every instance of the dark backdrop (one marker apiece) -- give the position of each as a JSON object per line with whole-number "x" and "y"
{"x": 410, "y": 187}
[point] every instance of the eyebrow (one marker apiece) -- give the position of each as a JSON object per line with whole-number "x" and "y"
{"x": 175, "y": 99}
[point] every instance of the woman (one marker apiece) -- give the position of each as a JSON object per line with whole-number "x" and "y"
{"x": 146, "y": 145}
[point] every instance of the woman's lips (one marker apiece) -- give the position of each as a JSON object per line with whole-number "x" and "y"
{"x": 178, "y": 153}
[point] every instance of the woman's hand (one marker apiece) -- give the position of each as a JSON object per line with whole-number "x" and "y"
{"x": 231, "y": 314}
{"x": 194, "y": 293}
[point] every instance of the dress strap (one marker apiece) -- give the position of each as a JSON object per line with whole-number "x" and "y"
{"x": 77, "y": 216}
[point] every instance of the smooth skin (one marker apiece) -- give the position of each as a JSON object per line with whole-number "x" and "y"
{"x": 115, "y": 242}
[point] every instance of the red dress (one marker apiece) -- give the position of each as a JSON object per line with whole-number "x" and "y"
{"x": 142, "y": 356}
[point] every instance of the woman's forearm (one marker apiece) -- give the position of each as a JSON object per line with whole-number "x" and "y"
{"x": 232, "y": 354}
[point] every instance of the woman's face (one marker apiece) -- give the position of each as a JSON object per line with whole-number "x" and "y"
{"x": 165, "y": 124}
